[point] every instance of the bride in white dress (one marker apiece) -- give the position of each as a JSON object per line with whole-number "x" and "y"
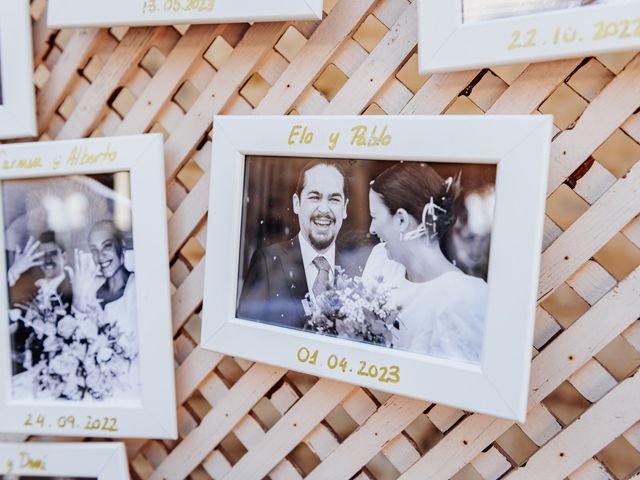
{"x": 442, "y": 310}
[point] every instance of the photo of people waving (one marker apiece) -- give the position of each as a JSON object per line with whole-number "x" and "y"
{"x": 385, "y": 252}
{"x": 71, "y": 288}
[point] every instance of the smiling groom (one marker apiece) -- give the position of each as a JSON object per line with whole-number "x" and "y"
{"x": 280, "y": 275}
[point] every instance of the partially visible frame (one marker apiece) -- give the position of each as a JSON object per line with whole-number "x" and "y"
{"x": 518, "y": 145}
{"x": 99, "y": 461}
{"x": 100, "y": 13}
{"x": 17, "y": 104}
{"x": 448, "y": 43}
{"x": 149, "y": 411}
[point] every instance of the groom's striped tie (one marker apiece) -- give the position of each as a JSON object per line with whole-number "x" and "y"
{"x": 321, "y": 285}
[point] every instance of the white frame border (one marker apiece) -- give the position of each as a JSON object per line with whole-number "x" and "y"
{"x": 18, "y": 109}
{"x": 448, "y": 44}
{"x": 100, "y": 13}
{"x": 519, "y": 145}
{"x": 104, "y": 461}
{"x": 155, "y": 416}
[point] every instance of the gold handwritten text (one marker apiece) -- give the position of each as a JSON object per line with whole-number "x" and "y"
{"x": 81, "y": 155}
{"x": 363, "y": 137}
{"x": 26, "y": 461}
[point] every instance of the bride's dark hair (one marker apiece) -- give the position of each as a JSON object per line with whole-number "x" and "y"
{"x": 413, "y": 186}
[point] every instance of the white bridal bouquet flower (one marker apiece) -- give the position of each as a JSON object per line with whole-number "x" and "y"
{"x": 70, "y": 354}
{"x": 356, "y": 310}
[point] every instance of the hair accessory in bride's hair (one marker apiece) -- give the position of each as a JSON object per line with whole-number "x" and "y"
{"x": 432, "y": 212}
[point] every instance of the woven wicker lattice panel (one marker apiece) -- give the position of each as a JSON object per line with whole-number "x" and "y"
{"x": 240, "y": 420}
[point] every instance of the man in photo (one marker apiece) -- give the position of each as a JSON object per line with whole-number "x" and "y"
{"x": 37, "y": 274}
{"x": 40, "y": 268}
{"x": 280, "y": 276}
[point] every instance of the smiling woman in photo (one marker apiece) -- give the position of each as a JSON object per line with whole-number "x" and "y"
{"x": 441, "y": 308}
{"x": 117, "y": 294}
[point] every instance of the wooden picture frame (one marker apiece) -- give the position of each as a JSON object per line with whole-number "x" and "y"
{"x": 516, "y": 147}
{"x": 447, "y": 42}
{"x": 86, "y": 341}
{"x": 17, "y": 97}
{"x": 97, "y": 13}
{"x": 95, "y": 461}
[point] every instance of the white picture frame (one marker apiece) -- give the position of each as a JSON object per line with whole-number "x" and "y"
{"x": 152, "y": 412}
{"x": 99, "y": 461}
{"x": 517, "y": 145}
{"x": 448, "y": 43}
{"x": 17, "y": 97}
{"x": 97, "y": 13}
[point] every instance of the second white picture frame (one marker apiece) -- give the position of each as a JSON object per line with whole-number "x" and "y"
{"x": 90, "y": 461}
{"x": 374, "y": 197}
{"x": 17, "y": 95}
{"x": 99, "y": 13}
{"x": 464, "y": 34}
{"x": 85, "y": 317}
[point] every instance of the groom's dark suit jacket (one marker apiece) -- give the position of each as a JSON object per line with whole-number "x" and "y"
{"x": 275, "y": 284}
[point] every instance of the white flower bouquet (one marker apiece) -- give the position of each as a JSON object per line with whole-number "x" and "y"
{"x": 69, "y": 354}
{"x": 356, "y": 310}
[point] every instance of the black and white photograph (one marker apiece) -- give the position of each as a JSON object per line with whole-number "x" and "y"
{"x": 71, "y": 288}
{"x": 385, "y": 252}
{"x": 481, "y": 10}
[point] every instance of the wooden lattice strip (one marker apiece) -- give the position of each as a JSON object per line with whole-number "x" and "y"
{"x": 382, "y": 62}
{"x": 248, "y": 430}
{"x": 194, "y": 206}
{"x": 390, "y": 419}
{"x": 444, "y": 417}
{"x": 389, "y": 11}
{"x": 183, "y": 347}
{"x": 591, "y": 470}
{"x": 632, "y": 127}
{"x": 590, "y": 79}
{"x": 194, "y": 370}
{"x": 257, "y": 42}
{"x": 252, "y": 386}
{"x": 187, "y": 298}
{"x": 540, "y": 426}
{"x": 632, "y": 335}
{"x": 594, "y": 183}
{"x": 173, "y": 71}
{"x": 592, "y": 381}
{"x": 615, "y": 104}
{"x": 572, "y": 349}
{"x": 633, "y": 436}
{"x": 491, "y": 464}
{"x": 606, "y": 217}
{"x": 314, "y": 56}
{"x": 64, "y": 72}
{"x": 591, "y": 281}
{"x": 349, "y": 56}
{"x": 610, "y": 417}
{"x": 290, "y": 430}
{"x": 545, "y": 328}
{"x": 360, "y": 407}
{"x": 393, "y": 96}
{"x": 115, "y": 72}
{"x": 438, "y": 92}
